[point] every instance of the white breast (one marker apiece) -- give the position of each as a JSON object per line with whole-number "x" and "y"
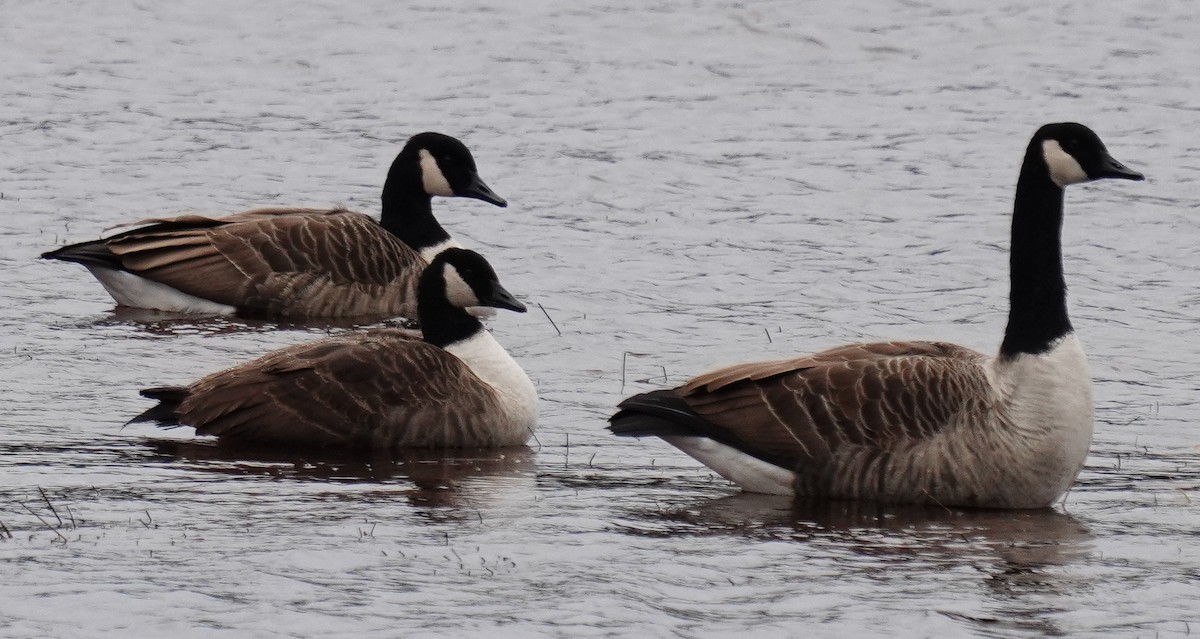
{"x": 1050, "y": 406}
{"x": 493, "y": 365}
{"x": 131, "y": 290}
{"x": 430, "y": 252}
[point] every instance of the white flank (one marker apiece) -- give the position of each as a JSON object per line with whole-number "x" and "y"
{"x": 131, "y": 290}
{"x": 493, "y": 365}
{"x": 750, "y": 473}
{"x": 1064, "y": 169}
{"x": 432, "y": 178}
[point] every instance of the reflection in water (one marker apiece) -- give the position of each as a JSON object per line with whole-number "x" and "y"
{"x": 1019, "y": 554}
{"x": 166, "y": 324}
{"x": 456, "y": 478}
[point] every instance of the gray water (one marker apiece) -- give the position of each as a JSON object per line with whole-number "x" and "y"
{"x": 692, "y": 184}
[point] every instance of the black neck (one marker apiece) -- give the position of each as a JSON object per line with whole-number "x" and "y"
{"x": 1037, "y": 313}
{"x": 408, "y": 212}
{"x": 442, "y": 323}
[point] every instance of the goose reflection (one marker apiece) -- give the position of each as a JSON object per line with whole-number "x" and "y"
{"x": 165, "y": 324}
{"x": 1021, "y": 556}
{"x": 758, "y": 514}
{"x": 453, "y": 478}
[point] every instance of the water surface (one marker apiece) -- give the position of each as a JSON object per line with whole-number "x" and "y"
{"x": 692, "y": 184}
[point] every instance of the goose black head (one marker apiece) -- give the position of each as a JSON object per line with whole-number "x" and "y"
{"x": 1073, "y": 154}
{"x": 445, "y": 167}
{"x": 470, "y": 281}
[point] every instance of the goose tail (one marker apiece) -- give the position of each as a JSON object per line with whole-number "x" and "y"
{"x": 93, "y": 253}
{"x": 656, "y": 414}
{"x": 663, "y": 413}
{"x": 166, "y": 412}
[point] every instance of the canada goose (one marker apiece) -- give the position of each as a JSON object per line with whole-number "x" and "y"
{"x": 916, "y": 422}
{"x": 293, "y": 262}
{"x": 380, "y": 389}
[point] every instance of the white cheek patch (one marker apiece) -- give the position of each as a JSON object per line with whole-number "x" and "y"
{"x": 457, "y": 290}
{"x": 432, "y": 179}
{"x": 1064, "y": 169}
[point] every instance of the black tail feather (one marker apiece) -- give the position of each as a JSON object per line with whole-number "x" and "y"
{"x": 663, "y": 413}
{"x": 94, "y": 253}
{"x": 165, "y": 413}
{"x": 655, "y": 414}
